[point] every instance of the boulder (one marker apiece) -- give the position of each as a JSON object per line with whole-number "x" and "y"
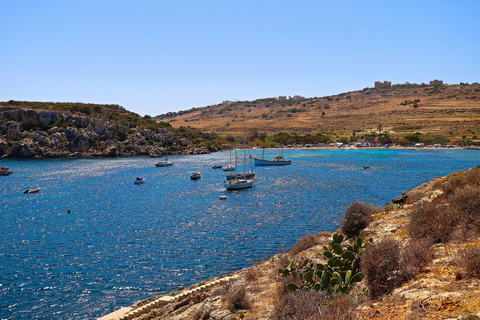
{"x": 400, "y": 199}
{"x": 112, "y": 152}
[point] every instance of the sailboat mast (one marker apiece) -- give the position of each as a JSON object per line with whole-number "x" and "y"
{"x": 244, "y": 153}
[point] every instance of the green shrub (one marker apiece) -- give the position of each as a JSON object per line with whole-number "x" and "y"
{"x": 29, "y": 124}
{"x": 356, "y": 218}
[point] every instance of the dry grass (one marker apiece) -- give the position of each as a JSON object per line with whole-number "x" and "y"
{"x": 235, "y": 296}
{"x": 303, "y": 244}
{"x": 469, "y": 260}
{"x": 439, "y": 113}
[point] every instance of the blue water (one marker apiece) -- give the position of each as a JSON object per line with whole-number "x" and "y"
{"x": 123, "y": 242}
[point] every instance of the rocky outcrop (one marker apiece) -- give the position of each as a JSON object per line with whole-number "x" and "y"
{"x": 29, "y": 133}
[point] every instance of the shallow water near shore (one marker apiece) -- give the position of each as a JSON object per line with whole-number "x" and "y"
{"x": 91, "y": 241}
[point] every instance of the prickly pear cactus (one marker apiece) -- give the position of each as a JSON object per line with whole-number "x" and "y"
{"x": 339, "y": 274}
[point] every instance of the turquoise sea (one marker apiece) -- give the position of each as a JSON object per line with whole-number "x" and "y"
{"x": 91, "y": 241}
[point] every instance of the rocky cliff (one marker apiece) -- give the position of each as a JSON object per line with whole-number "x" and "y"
{"x": 31, "y": 133}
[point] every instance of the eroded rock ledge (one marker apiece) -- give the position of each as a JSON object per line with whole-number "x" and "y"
{"x": 31, "y": 133}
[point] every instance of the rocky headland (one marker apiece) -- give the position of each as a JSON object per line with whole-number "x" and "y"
{"x": 32, "y": 133}
{"x": 433, "y": 274}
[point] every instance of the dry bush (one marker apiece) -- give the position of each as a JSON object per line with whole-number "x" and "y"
{"x": 470, "y": 261}
{"x": 356, "y": 218}
{"x": 338, "y": 307}
{"x": 432, "y": 221}
{"x": 235, "y": 297}
{"x": 437, "y": 184}
{"x": 472, "y": 176}
{"x": 252, "y": 274}
{"x": 467, "y": 202}
{"x": 414, "y": 197}
{"x": 300, "y": 305}
{"x": 380, "y": 264}
{"x": 415, "y": 257}
{"x": 303, "y": 244}
{"x": 450, "y": 186}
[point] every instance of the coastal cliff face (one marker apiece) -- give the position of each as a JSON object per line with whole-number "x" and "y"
{"x": 31, "y": 133}
{"x": 447, "y": 285}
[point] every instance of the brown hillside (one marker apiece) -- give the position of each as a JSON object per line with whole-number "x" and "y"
{"x": 450, "y": 111}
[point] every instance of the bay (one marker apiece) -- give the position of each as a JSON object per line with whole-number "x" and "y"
{"x": 91, "y": 241}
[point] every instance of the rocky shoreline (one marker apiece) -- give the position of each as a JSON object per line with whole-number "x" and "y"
{"x": 37, "y": 134}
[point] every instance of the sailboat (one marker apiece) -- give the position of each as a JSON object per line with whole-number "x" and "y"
{"x": 276, "y": 161}
{"x": 241, "y": 181}
{"x": 230, "y": 166}
{"x": 164, "y": 163}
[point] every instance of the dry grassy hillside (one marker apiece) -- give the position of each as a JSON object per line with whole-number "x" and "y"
{"x": 451, "y": 111}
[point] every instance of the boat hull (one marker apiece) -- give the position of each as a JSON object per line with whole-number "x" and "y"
{"x": 168, "y": 164}
{"x": 239, "y": 184}
{"x": 264, "y": 162}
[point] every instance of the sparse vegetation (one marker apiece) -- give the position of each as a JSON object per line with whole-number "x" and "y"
{"x": 356, "y": 218}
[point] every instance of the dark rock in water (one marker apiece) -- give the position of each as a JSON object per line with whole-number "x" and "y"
{"x": 400, "y": 199}
{"x": 112, "y": 152}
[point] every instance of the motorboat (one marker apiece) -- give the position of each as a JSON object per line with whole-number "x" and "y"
{"x": 196, "y": 176}
{"x": 217, "y": 166}
{"x": 139, "y": 180}
{"x": 164, "y": 163}
{"x": 5, "y": 171}
{"x": 276, "y": 161}
{"x": 32, "y": 190}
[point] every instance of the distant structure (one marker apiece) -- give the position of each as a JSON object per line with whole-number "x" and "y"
{"x": 384, "y": 84}
{"x": 282, "y": 98}
{"x": 297, "y": 97}
{"x": 436, "y": 82}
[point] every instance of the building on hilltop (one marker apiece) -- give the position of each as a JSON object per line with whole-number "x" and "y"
{"x": 384, "y": 84}
{"x": 436, "y": 82}
{"x": 297, "y": 97}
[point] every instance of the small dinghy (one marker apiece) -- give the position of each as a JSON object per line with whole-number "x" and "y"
{"x": 33, "y": 190}
{"x": 139, "y": 180}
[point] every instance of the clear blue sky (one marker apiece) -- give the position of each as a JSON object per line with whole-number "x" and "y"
{"x": 158, "y": 56}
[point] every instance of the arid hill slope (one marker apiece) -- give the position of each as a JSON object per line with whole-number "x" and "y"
{"x": 448, "y": 110}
